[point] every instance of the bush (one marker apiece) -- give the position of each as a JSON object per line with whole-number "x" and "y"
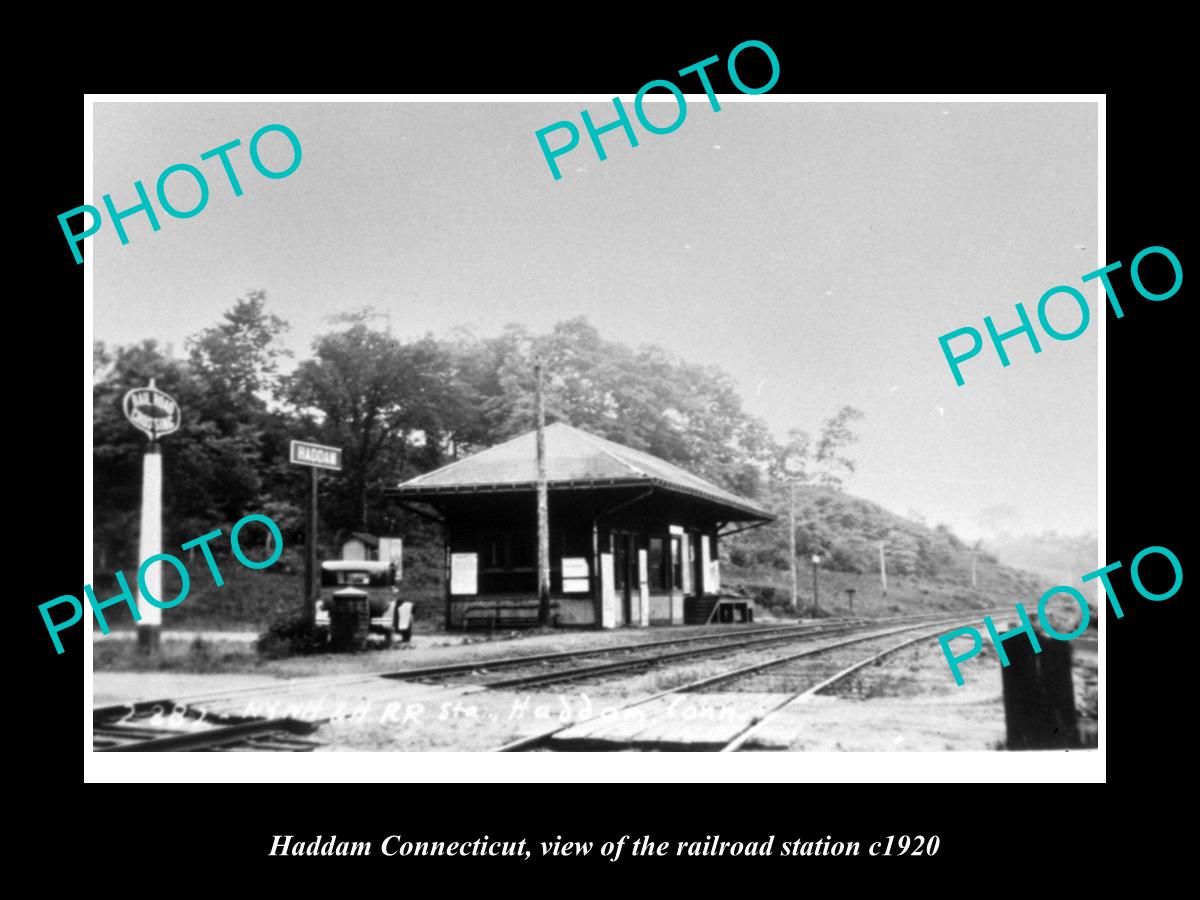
{"x": 201, "y": 651}
{"x": 764, "y": 594}
{"x": 292, "y": 635}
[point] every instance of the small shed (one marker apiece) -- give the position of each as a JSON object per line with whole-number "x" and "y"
{"x": 360, "y": 546}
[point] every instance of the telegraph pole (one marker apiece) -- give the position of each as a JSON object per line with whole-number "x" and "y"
{"x": 792, "y": 543}
{"x": 543, "y": 505}
{"x": 793, "y": 465}
{"x": 883, "y": 567}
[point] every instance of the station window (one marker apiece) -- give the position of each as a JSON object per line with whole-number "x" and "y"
{"x": 657, "y": 564}
{"x": 493, "y": 554}
{"x": 522, "y": 551}
{"x": 507, "y": 551}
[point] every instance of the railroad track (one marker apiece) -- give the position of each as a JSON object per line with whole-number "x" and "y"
{"x": 446, "y": 673}
{"x": 804, "y": 688}
{"x": 149, "y": 727}
{"x": 431, "y": 674}
{"x": 769, "y": 683}
{"x": 560, "y": 668}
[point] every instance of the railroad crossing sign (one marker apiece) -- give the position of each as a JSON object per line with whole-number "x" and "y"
{"x": 152, "y": 411}
{"x": 319, "y": 456}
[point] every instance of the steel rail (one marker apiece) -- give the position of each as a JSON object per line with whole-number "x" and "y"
{"x": 213, "y": 738}
{"x": 528, "y": 743}
{"x": 739, "y": 740}
{"x": 513, "y": 661}
{"x": 659, "y": 658}
{"x": 834, "y": 627}
{"x": 286, "y": 685}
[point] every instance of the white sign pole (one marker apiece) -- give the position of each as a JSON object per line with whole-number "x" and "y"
{"x": 154, "y": 413}
{"x": 149, "y": 627}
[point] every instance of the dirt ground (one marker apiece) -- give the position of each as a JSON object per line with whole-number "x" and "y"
{"x": 910, "y": 702}
{"x": 217, "y": 653}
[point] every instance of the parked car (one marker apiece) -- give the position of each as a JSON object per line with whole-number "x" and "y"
{"x": 376, "y": 579}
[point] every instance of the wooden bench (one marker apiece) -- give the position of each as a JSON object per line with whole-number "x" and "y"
{"x": 492, "y": 617}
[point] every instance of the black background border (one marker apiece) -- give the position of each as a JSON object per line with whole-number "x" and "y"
{"x": 1147, "y": 439}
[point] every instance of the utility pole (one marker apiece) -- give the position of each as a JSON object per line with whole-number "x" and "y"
{"x": 792, "y": 543}
{"x": 793, "y": 466}
{"x": 543, "y": 505}
{"x": 974, "y": 557}
{"x": 883, "y": 567}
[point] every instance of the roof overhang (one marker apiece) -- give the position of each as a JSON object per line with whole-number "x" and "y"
{"x": 736, "y": 511}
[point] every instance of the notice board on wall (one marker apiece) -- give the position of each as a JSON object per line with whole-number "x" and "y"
{"x": 575, "y": 575}
{"x": 464, "y": 569}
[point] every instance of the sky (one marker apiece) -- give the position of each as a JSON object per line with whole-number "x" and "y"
{"x": 815, "y": 251}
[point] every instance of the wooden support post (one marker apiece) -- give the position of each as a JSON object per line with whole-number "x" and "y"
{"x": 1039, "y": 696}
{"x": 597, "y": 585}
{"x": 446, "y": 582}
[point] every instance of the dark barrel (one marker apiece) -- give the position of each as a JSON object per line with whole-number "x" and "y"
{"x": 349, "y": 620}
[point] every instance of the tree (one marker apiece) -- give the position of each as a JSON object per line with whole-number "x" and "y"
{"x": 389, "y": 406}
{"x": 209, "y": 476}
{"x": 214, "y": 464}
{"x": 238, "y": 359}
{"x": 836, "y": 434}
{"x": 234, "y": 374}
{"x": 686, "y": 414}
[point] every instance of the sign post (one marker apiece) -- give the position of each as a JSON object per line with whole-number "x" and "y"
{"x": 156, "y": 414}
{"x": 816, "y": 562}
{"x": 315, "y": 456}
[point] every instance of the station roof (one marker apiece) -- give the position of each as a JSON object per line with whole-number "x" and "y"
{"x": 574, "y": 459}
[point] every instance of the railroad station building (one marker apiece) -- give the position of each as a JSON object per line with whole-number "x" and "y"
{"x": 634, "y": 540}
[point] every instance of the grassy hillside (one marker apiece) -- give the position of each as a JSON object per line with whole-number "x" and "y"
{"x": 249, "y": 600}
{"x": 928, "y": 569}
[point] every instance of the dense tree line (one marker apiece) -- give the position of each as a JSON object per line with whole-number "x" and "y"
{"x": 403, "y": 408}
